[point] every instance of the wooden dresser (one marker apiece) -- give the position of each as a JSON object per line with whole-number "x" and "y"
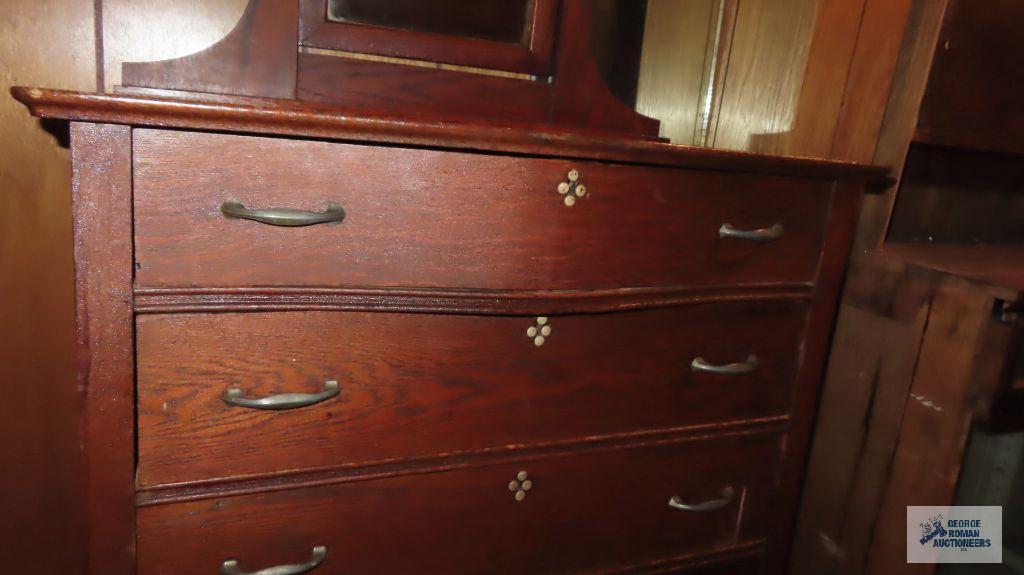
{"x": 338, "y": 344}
{"x": 343, "y": 315}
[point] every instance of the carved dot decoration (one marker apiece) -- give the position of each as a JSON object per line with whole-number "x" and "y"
{"x": 572, "y": 189}
{"x": 520, "y": 485}
{"x": 539, "y": 331}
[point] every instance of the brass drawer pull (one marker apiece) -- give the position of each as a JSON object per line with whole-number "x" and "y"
{"x": 230, "y": 567}
{"x": 727, "y": 496}
{"x": 287, "y": 217}
{"x": 234, "y": 397}
{"x": 760, "y": 235}
{"x": 741, "y": 368}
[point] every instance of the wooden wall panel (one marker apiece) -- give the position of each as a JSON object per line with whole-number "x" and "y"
{"x": 46, "y": 44}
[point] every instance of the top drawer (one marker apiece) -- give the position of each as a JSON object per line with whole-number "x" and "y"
{"x": 427, "y": 218}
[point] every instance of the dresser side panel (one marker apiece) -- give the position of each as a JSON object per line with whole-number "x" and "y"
{"x": 101, "y": 203}
{"x": 842, "y": 223}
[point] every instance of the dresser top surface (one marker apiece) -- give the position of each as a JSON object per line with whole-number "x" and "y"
{"x": 309, "y": 120}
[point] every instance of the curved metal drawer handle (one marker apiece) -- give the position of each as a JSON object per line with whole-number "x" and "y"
{"x": 287, "y": 217}
{"x": 727, "y": 496}
{"x": 741, "y": 368}
{"x": 230, "y": 567}
{"x": 760, "y": 235}
{"x": 234, "y": 397}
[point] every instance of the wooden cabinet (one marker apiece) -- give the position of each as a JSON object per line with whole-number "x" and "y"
{"x": 346, "y": 346}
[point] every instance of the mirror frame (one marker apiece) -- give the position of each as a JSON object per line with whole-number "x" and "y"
{"x": 533, "y": 56}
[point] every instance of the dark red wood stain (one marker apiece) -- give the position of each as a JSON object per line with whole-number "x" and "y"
{"x": 418, "y": 218}
{"x": 416, "y": 385}
{"x": 101, "y": 200}
{"x": 584, "y": 513}
{"x": 418, "y": 304}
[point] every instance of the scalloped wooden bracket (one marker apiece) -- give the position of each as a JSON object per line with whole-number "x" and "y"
{"x": 581, "y": 95}
{"x": 257, "y": 58}
{"x": 260, "y": 58}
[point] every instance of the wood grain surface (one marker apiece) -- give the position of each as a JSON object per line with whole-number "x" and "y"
{"x": 101, "y": 201}
{"x": 962, "y": 352}
{"x": 417, "y": 386}
{"x": 842, "y": 221}
{"x": 418, "y": 218}
{"x": 870, "y": 79}
{"x": 48, "y": 44}
{"x": 452, "y": 301}
{"x": 898, "y": 125}
{"x": 769, "y": 47}
{"x": 976, "y": 68}
{"x": 673, "y": 66}
{"x": 864, "y": 396}
{"x": 588, "y": 512}
{"x": 306, "y": 119}
{"x": 369, "y": 85}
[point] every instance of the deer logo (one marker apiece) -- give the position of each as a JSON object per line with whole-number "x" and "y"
{"x": 931, "y": 529}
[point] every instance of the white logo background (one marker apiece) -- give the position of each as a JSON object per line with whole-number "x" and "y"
{"x": 960, "y": 523}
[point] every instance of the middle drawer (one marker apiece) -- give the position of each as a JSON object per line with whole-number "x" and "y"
{"x": 413, "y": 386}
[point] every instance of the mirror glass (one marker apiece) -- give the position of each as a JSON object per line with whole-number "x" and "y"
{"x": 728, "y": 74}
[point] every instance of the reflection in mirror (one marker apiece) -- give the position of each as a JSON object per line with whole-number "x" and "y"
{"x": 685, "y": 49}
{"x": 726, "y": 74}
{"x": 496, "y": 20}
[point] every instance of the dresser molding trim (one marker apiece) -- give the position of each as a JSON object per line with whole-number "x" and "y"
{"x": 452, "y": 301}
{"x": 363, "y": 471}
{"x": 708, "y": 558}
{"x": 101, "y": 195}
{"x": 311, "y": 120}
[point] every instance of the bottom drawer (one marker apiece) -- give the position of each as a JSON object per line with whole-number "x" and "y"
{"x": 596, "y": 511}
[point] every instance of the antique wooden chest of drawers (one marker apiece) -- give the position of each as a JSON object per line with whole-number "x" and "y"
{"x": 316, "y": 343}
